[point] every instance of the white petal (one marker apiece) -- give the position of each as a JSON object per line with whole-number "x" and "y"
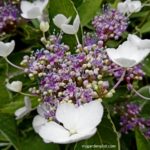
{"x": 89, "y": 116}
{"x": 127, "y": 55}
{"x": 76, "y": 23}
{"x": 68, "y": 29}
{"x": 15, "y": 86}
{"x": 122, "y": 7}
{"x": 81, "y": 119}
{"x": 41, "y": 109}
{"x": 126, "y": 63}
{"x": 45, "y": 3}
{"x": 26, "y": 6}
{"x": 33, "y": 10}
{"x": 6, "y": 48}
{"x": 38, "y": 122}
{"x": 67, "y": 114}
{"x": 141, "y": 54}
{"x": 133, "y": 39}
{"x": 53, "y": 132}
{"x": 82, "y": 135}
{"x": 143, "y": 44}
{"x": 27, "y": 102}
{"x": 21, "y": 112}
{"x": 121, "y": 57}
{"x": 59, "y": 20}
{"x": 34, "y": 13}
{"x": 41, "y": 4}
{"x": 24, "y": 15}
{"x": 134, "y": 6}
{"x": 3, "y": 50}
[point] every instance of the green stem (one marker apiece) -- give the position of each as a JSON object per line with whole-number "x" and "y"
{"x": 14, "y": 75}
{"x": 140, "y": 95}
{"x": 77, "y": 39}
{"x": 26, "y": 94}
{"x": 13, "y": 64}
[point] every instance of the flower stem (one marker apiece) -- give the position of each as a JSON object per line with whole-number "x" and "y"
{"x": 120, "y": 80}
{"x": 115, "y": 69}
{"x": 77, "y": 39}
{"x": 13, "y": 64}
{"x": 140, "y": 95}
{"x": 26, "y": 94}
{"x": 44, "y": 35}
{"x": 15, "y": 74}
{"x": 60, "y": 35}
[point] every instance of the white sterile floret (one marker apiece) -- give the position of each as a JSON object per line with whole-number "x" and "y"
{"x": 71, "y": 29}
{"x": 130, "y": 53}
{"x": 33, "y": 10}
{"x": 129, "y": 7}
{"x": 78, "y": 123}
{"x": 6, "y": 48}
{"x": 142, "y": 44}
{"x": 15, "y": 86}
{"x": 21, "y": 112}
{"x": 60, "y": 19}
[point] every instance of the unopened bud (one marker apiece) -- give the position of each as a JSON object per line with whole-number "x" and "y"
{"x": 44, "y": 26}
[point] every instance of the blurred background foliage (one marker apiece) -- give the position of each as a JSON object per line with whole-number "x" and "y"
{"x": 18, "y": 134}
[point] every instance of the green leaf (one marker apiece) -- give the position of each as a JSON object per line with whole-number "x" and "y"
{"x": 146, "y": 65}
{"x": 11, "y": 107}
{"x": 28, "y": 33}
{"x": 145, "y": 28}
{"x": 141, "y": 142}
{"x": 77, "y": 3}
{"x": 4, "y": 96}
{"x": 34, "y": 142}
{"x": 140, "y": 14}
{"x": 87, "y": 10}
{"x": 65, "y": 7}
{"x": 105, "y": 138}
{"x": 8, "y": 129}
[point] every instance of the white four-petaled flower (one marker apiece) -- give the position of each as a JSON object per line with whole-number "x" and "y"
{"x": 15, "y": 86}
{"x": 33, "y": 10}
{"x": 60, "y": 19}
{"x": 6, "y": 48}
{"x": 21, "y": 112}
{"x": 129, "y": 7}
{"x": 71, "y": 29}
{"x": 130, "y": 53}
{"x": 77, "y": 123}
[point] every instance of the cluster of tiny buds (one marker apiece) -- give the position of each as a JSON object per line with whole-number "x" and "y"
{"x": 110, "y": 25}
{"x": 9, "y": 17}
{"x": 130, "y": 118}
{"x": 134, "y": 73}
{"x": 62, "y": 76}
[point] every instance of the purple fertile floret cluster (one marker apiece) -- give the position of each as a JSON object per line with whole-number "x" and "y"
{"x": 9, "y": 17}
{"x": 110, "y": 25}
{"x": 134, "y": 73}
{"x": 130, "y": 119}
{"x": 62, "y": 76}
